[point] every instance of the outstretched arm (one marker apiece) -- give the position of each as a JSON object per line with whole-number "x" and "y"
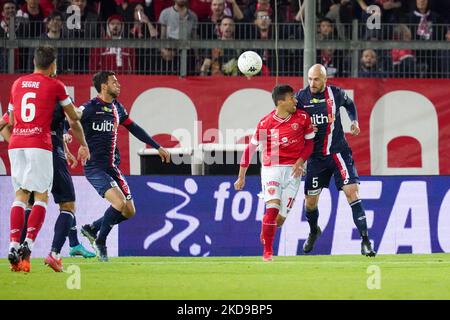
{"x": 140, "y": 133}
{"x": 245, "y": 163}
{"x": 349, "y": 105}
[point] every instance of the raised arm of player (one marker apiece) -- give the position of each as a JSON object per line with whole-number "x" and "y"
{"x": 246, "y": 158}
{"x": 142, "y": 135}
{"x": 349, "y": 105}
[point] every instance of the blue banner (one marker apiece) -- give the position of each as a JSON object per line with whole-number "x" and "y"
{"x": 204, "y": 216}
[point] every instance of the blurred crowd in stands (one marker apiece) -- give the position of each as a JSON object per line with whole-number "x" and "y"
{"x": 227, "y": 20}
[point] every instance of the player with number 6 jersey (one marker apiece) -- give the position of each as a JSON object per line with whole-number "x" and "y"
{"x": 286, "y": 136}
{"x": 31, "y": 107}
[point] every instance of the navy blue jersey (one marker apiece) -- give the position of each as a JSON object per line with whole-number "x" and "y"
{"x": 101, "y": 122}
{"x": 58, "y": 128}
{"x": 324, "y": 108}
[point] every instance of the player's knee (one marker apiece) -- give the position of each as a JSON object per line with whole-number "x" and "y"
{"x": 280, "y": 221}
{"x": 274, "y": 202}
{"x": 67, "y": 206}
{"x": 311, "y": 203}
{"x": 351, "y": 192}
{"x": 130, "y": 211}
{"x": 41, "y": 197}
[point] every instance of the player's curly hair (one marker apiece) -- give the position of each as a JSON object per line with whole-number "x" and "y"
{"x": 101, "y": 78}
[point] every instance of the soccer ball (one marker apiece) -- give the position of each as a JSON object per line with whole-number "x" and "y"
{"x": 250, "y": 63}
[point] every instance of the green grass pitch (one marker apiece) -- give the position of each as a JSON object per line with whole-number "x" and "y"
{"x": 402, "y": 276}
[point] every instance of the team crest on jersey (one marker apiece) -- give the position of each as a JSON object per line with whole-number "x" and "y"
{"x": 330, "y": 102}
{"x": 271, "y": 191}
{"x": 295, "y": 126}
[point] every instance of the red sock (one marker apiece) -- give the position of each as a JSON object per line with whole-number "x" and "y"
{"x": 17, "y": 220}
{"x": 36, "y": 219}
{"x": 269, "y": 227}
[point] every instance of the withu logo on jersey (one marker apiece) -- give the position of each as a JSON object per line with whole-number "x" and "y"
{"x": 321, "y": 118}
{"x": 105, "y": 126}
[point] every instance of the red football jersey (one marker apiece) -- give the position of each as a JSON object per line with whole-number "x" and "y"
{"x": 33, "y": 100}
{"x": 283, "y": 139}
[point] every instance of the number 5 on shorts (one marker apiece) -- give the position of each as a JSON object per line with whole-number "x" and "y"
{"x": 315, "y": 182}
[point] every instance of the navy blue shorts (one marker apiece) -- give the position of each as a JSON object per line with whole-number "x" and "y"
{"x": 103, "y": 179}
{"x": 320, "y": 169}
{"x": 62, "y": 190}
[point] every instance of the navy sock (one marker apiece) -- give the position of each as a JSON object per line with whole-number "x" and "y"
{"x": 111, "y": 217}
{"x": 312, "y": 217}
{"x": 73, "y": 234}
{"x": 62, "y": 228}
{"x": 359, "y": 217}
{"x": 97, "y": 224}
{"x": 25, "y": 225}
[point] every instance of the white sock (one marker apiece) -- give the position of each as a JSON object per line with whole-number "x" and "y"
{"x": 14, "y": 245}
{"x": 30, "y": 243}
{"x": 56, "y": 255}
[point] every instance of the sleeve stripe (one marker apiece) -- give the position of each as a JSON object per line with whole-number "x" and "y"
{"x": 310, "y": 135}
{"x": 127, "y": 122}
{"x": 10, "y": 107}
{"x": 65, "y": 102}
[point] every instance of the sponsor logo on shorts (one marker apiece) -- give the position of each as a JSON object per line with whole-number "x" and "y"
{"x": 314, "y": 192}
{"x": 271, "y": 191}
{"x": 346, "y": 181}
{"x": 128, "y": 197}
{"x": 273, "y": 183}
{"x": 113, "y": 184}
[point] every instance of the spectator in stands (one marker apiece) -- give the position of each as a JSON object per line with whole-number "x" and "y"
{"x": 89, "y": 22}
{"x": 369, "y": 66}
{"x": 403, "y": 60}
{"x": 201, "y": 8}
{"x": 30, "y": 17}
{"x": 341, "y": 13}
{"x": 326, "y": 29}
{"x": 222, "y": 61}
{"x": 9, "y": 9}
{"x": 423, "y": 20}
{"x": 254, "y": 5}
{"x": 424, "y": 27}
{"x": 54, "y": 28}
{"x": 120, "y": 60}
{"x": 390, "y": 9}
{"x": 264, "y": 31}
{"x": 140, "y": 27}
{"x": 177, "y": 22}
{"x": 140, "y": 24}
{"x": 334, "y": 62}
{"x": 210, "y": 29}
{"x": 157, "y": 6}
{"x": 88, "y": 28}
{"x": 445, "y": 60}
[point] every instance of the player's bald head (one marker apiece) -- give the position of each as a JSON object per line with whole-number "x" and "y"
{"x": 317, "y": 70}
{"x": 317, "y": 78}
